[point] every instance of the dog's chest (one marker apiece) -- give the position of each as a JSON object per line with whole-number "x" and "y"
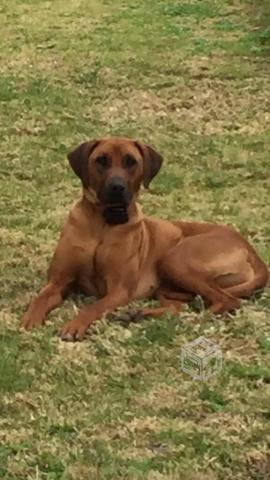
{"x": 107, "y": 262}
{"x": 147, "y": 284}
{"x": 121, "y": 260}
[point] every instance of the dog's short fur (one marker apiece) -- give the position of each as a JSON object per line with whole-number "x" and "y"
{"x": 112, "y": 251}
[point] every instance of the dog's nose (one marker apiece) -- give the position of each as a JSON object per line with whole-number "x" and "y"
{"x": 116, "y": 191}
{"x": 117, "y": 185}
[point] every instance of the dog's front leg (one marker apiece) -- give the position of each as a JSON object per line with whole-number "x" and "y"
{"x": 50, "y": 297}
{"x": 77, "y": 328}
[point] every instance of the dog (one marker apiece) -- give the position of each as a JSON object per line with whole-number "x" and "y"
{"x": 110, "y": 250}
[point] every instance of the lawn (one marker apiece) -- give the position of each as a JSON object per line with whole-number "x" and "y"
{"x": 192, "y": 79}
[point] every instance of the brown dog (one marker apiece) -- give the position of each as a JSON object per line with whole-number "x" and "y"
{"x": 110, "y": 250}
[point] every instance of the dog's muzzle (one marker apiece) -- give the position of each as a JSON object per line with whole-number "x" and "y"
{"x": 116, "y": 197}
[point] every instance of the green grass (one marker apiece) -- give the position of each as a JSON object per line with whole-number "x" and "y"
{"x": 192, "y": 79}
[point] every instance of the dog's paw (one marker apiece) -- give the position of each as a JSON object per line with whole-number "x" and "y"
{"x": 29, "y": 321}
{"x": 226, "y": 307}
{"x": 73, "y": 331}
{"x": 133, "y": 315}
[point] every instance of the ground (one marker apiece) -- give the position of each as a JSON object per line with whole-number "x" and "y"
{"x": 192, "y": 79}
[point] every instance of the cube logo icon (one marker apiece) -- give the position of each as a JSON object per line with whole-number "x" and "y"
{"x": 202, "y": 359}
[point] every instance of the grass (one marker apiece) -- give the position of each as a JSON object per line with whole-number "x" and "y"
{"x": 192, "y": 79}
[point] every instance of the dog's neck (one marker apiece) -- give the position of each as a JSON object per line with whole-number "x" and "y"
{"x": 91, "y": 196}
{"x": 113, "y": 215}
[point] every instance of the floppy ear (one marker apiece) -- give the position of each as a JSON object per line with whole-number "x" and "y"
{"x": 152, "y": 162}
{"x": 78, "y": 160}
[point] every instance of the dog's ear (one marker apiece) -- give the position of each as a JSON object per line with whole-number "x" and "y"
{"x": 78, "y": 160}
{"x": 152, "y": 162}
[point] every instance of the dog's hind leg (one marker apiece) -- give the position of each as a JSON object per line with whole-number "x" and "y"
{"x": 191, "y": 278}
{"x": 258, "y": 282}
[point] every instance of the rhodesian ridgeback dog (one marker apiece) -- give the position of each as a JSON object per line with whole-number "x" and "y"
{"x": 110, "y": 250}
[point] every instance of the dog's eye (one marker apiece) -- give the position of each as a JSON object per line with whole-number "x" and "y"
{"x": 129, "y": 161}
{"x": 102, "y": 161}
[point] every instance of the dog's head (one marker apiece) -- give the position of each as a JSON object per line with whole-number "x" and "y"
{"x": 115, "y": 168}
